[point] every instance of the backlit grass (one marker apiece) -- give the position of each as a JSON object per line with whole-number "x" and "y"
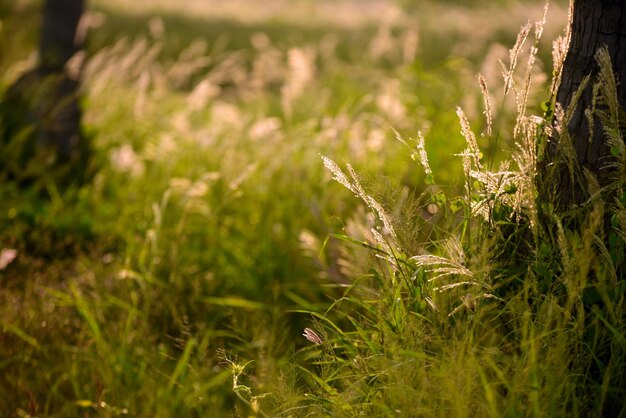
{"x": 179, "y": 281}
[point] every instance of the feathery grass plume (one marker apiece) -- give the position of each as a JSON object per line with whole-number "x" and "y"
{"x": 560, "y": 47}
{"x": 507, "y": 72}
{"x": 454, "y": 248}
{"x": 472, "y": 151}
{"x": 525, "y": 157}
{"x": 519, "y": 43}
{"x": 470, "y": 302}
{"x": 566, "y": 151}
{"x": 540, "y": 24}
{"x": 441, "y": 266}
{"x": 449, "y": 286}
{"x": 497, "y": 186}
{"x": 470, "y": 156}
{"x": 372, "y": 203}
{"x": 559, "y": 52}
{"x": 525, "y": 154}
{"x": 355, "y": 187}
{"x": 522, "y": 96}
{"x": 487, "y": 103}
{"x": 338, "y": 174}
{"x": 607, "y": 85}
{"x": 453, "y": 265}
{"x": 514, "y": 188}
{"x": 421, "y": 156}
{"x": 384, "y": 246}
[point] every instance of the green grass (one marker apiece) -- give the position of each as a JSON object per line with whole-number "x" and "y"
{"x": 180, "y": 279}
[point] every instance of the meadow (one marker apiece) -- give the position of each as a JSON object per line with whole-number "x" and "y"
{"x": 310, "y": 208}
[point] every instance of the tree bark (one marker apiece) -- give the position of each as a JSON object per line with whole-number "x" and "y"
{"x": 595, "y": 24}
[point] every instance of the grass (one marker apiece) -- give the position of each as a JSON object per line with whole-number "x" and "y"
{"x": 180, "y": 279}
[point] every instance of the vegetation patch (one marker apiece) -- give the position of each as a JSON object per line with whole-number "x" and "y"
{"x": 329, "y": 217}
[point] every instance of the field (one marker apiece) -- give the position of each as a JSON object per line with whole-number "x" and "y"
{"x": 286, "y": 216}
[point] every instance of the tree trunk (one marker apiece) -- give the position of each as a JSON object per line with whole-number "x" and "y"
{"x": 40, "y": 112}
{"x": 595, "y": 24}
{"x": 57, "y": 45}
{"x": 58, "y": 34}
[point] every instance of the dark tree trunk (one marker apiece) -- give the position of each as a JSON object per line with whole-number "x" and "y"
{"x": 57, "y": 45}
{"x": 58, "y": 34}
{"x": 40, "y": 112}
{"x": 596, "y": 24}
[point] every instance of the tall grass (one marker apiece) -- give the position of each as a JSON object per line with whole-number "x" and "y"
{"x": 181, "y": 280}
{"x": 514, "y": 308}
